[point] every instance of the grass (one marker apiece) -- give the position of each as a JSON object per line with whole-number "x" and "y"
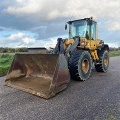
{"x": 114, "y": 53}
{"x": 5, "y": 62}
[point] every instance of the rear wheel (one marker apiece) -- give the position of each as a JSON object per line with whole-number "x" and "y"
{"x": 80, "y": 65}
{"x": 103, "y": 61}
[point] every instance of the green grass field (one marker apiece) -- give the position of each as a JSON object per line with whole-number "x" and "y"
{"x": 5, "y": 62}
{"x": 7, "y": 58}
{"x": 114, "y": 53}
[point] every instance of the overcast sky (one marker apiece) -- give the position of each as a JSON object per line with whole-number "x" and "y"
{"x": 37, "y": 23}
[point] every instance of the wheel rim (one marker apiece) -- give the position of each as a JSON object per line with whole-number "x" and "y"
{"x": 85, "y": 65}
{"x": 106, "y": 61}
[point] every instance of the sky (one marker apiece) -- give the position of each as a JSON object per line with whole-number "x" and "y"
{"x": 38, "y": 23}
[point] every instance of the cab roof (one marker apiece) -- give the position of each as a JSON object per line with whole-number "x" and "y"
{"x": 87, "y": 19}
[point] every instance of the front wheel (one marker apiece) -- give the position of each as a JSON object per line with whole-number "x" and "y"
{"x": 103, "y": 64}
{"x": 80, "y": 65}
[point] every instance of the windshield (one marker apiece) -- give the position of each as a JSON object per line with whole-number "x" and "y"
{"x": 78, "y": 28}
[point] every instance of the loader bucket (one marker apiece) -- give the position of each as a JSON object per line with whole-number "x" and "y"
{"x": 43, "y": 75}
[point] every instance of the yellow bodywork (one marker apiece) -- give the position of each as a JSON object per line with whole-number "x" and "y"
{"x": 90, "y": 45}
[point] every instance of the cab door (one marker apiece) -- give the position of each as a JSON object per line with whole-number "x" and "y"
{"x": 93, "y": 36}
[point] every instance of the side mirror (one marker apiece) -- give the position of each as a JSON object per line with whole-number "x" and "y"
{"x": 65, "y": 26}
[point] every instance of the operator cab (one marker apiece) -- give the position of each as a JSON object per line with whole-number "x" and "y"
{"x": 83, "y": 28}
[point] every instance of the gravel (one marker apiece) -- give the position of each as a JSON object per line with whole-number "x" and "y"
{"x": 98, "y": 98}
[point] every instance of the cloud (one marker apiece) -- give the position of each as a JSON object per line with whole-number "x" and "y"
{"x": 113, "y": 45}
{"x": 17, "y": 39}
{"x": 2, "y": 28}
{"x": 113, "y": 25}
{"x": 25, "y": 40}
{"x": 23, "y": 7}
{"x": 51, "y": 9}
{"x": 47, "y": 18}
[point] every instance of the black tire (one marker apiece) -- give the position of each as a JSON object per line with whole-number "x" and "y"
{"x": 80, "y": 65}
{"x": 103, "y": 61}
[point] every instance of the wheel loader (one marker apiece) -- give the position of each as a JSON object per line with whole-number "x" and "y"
{"x": 45, "y": 74}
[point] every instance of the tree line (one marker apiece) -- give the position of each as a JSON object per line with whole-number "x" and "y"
{"x": 24, "y": 49}
{"x": 114, "y": 49}
{"x": 12, "y": 50}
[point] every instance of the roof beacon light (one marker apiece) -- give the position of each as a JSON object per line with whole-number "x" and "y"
{"x": 91, "y": 17}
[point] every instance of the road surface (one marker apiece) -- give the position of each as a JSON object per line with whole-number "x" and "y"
{"x": 95, "y": 99}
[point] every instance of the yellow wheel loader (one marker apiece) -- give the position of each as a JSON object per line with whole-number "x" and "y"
{"x": 46, "y": 74}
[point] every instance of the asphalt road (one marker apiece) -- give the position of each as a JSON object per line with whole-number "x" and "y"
{"x": 95, "y": 99}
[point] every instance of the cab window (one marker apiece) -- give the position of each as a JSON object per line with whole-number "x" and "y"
{"x": 93, "y": 30}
